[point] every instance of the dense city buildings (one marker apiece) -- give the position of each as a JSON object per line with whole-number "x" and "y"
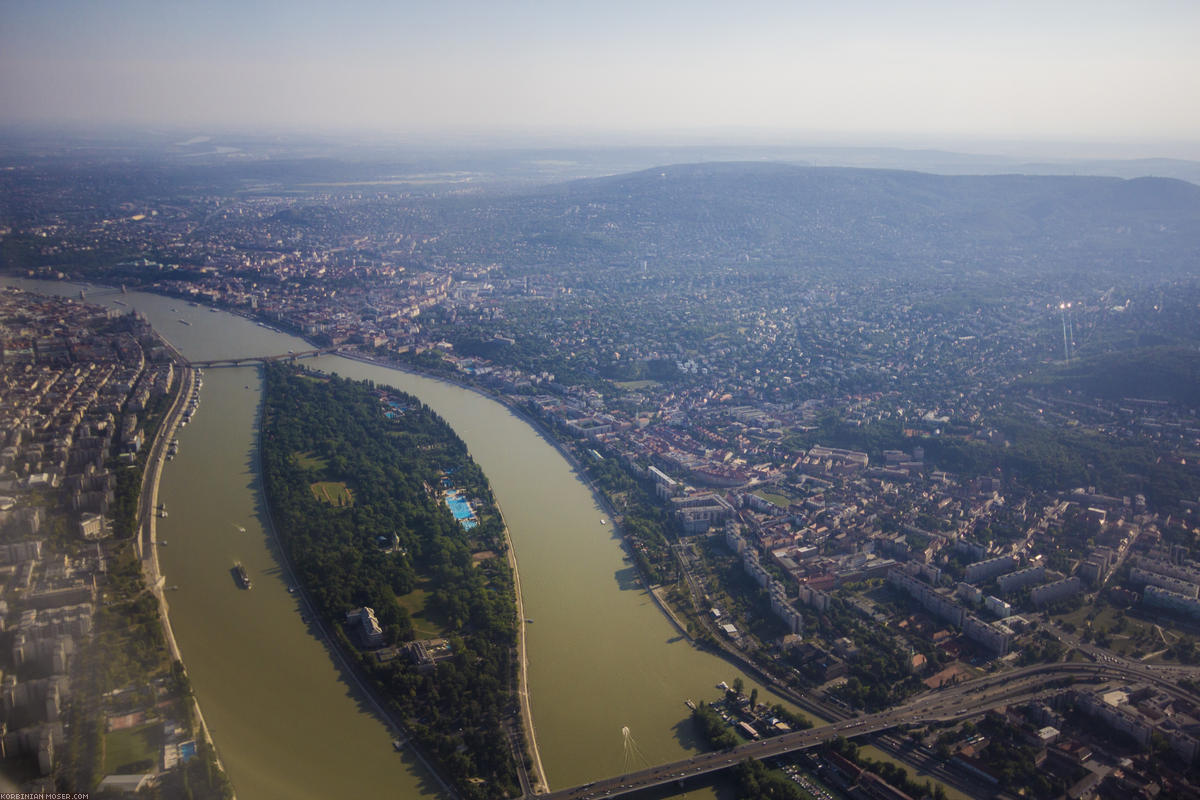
{"x": 82, "y": 388}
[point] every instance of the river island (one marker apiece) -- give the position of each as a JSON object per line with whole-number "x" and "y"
{"x": 399, "y": 549}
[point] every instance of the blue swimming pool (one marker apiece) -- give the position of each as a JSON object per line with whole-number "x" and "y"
{"x": 187, "y": 750}
{"x": 461, "y": 509}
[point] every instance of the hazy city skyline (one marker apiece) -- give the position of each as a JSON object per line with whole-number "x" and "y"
{"x": 1101, "y": 72}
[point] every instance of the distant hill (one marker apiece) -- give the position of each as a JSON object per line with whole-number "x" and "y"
{"x": 1121, "y": 168}
{"x": 778, "y": 215}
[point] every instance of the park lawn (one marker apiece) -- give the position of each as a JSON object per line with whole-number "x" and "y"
{"x": 124, "y": 749}
{"x": 310, "y": 460}
{"x": 1076, "y": 617}
{"x": 1121, "y": 630}
{"x": 635, "y": 385}
{"x": 424, "y": 619}
{"x": 336, "y": 493}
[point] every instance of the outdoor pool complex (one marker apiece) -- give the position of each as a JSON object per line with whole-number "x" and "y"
{"x": 461, "y": 509}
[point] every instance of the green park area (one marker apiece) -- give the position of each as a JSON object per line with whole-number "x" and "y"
{"x": 421, "y": 611}
{"x": 310, "y": 460}
{"x": 333, "y": 492}
{"x": 133, "y": 750}
{"x": 1126, "y": 633}
{"x": 389, "y": 544}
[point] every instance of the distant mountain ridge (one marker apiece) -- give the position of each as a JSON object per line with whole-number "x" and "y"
{"x": 779, "y": 214}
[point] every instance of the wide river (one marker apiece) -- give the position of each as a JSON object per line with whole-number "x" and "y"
{"x": 608, "y": 674}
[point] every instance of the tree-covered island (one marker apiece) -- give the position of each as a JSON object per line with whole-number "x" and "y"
{"x": 356, "y": 478}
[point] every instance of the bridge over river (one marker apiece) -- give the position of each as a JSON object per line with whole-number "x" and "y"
{"x": 954, "y": 703}
{"x": 241, "y": 360}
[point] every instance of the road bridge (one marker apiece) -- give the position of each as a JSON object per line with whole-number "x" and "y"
{"x": 93, "y": 292}
{"x": 958, "y": 702}
{"x": 242, "y": 360}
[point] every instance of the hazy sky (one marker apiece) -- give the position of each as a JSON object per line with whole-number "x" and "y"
{"x": 1095, "y": 70}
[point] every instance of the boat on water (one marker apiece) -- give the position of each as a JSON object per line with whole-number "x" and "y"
{"x": 240, "y": 575}
{"x": 529, "y": 620}
{"x": 184, "y": 322}
{"x": 690, "y": 703}
{"x": 603, "y": 521}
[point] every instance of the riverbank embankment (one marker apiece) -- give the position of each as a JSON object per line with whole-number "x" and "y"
{"x": 147, "y": 536}
{"x": 540, "y": 784}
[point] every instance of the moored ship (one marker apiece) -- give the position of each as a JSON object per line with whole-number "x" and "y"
{"x": 243, "y": 579}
